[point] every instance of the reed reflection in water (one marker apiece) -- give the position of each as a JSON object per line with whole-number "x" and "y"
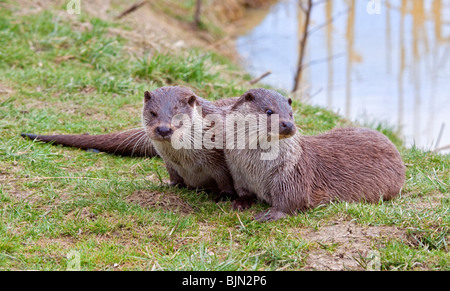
{"x": 392, "y": 66}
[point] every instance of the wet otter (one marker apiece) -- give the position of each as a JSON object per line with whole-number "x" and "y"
{"x": 133, "y": 142}
{"x": 194, "y": 168}
{"x": 345, "y": 164}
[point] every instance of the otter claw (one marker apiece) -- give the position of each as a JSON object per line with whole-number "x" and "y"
{"x": 243, "y": 203}
{"x": 269, "y": 215}
{"x": 177, "y": 184}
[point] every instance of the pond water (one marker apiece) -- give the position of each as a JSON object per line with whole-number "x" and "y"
{"x": 388, "y": 62}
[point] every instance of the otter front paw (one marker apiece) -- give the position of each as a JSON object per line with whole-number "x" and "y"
{"x": 177, "y": 184}
{"x": 243, "y": 203}
{"x": 270, "y": 215}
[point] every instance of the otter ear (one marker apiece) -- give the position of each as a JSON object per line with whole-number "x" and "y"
{"x": 246, "y": 97}
{"x": 290, "y": 101}
{"x": 147, "y": 96}
{"x": 191, "y": 100}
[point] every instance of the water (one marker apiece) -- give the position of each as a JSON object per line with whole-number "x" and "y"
{"x": 392, "y": 67}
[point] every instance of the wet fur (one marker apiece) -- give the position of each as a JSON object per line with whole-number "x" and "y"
{"x": 195, "y": 168}
{"x": 345, "y": 164}
{"x": 132, "y": 142}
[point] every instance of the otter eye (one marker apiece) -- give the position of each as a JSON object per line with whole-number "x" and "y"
{"x": 290, "y": 114}
{"x": 269, "y": 112}
{"x": 153, "y": 114}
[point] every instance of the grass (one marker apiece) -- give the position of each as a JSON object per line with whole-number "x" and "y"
{"x": 55, "y": 200}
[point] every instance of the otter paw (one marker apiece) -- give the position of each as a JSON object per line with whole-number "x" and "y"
{"x": 177, "y": 184}
{"x": 243, "y": 203}
{"x": 269, "y": 215}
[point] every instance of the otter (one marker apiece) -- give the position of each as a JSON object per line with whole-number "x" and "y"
{"x": 192, "y": 168}
{"x": 344, "y": 164}
{"x": 133, "y": 142}
{"x": 196, "y": 166}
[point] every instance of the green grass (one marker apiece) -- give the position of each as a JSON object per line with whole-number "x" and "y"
{"x": 54, "y": 200}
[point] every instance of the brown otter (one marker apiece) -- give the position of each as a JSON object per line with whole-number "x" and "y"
{"x": 133, "y": 142}
{"x": 195, "y": 168}
{"x": 345, "y": 164}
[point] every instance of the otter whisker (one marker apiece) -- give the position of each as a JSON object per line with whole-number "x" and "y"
{"x": 130, "y": 139}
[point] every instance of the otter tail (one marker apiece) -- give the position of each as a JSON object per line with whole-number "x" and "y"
{"x": 132, "y": 142}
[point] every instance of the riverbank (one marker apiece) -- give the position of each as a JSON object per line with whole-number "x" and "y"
{"x": 63, "y": 73}
{"x": 391, "y": 67}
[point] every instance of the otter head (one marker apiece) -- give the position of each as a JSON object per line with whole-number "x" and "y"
{"x": 161, "y": 106}
{"x": 263, "y": 101}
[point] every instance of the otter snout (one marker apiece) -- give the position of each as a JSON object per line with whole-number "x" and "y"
{"x": 164, "y": 132}
{"x": 287, "y": 129}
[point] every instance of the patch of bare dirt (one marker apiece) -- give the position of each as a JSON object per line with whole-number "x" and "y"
{"x": 154, "y": 199}
{"x": 25, "y": 196}
{"x": 5, "y": 91}
{"x": 62, "y": 242}
{"x": 85, "y": 214}
{"x": 150, "y": 30}
{"x": 342, "y": 245}
{"x": 14, "y": 188}
{"x": 28, "y": 7}
{"x": 429, "y": 201}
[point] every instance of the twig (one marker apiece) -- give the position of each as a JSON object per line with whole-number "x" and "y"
{"x": 198, "y": 8}
{"x": 320, "y": 26}
{"x": 306, "y": 33}
{"x": 153, "y": 258}
{"x": 442, "y": 148}
{"x": 8, "y": 256}
{"x": 256, "y": 80}
{"x": 315, "y": 93}
{"x": 132, "y": 8}
{"x": 173, "y": 229}
{"x": 221, "y": 209}
{"x": 298, "y": 74}
{"x": 243, "y": 226}
{"x": 318, "y": 61}
{"x": 441, "y": 131}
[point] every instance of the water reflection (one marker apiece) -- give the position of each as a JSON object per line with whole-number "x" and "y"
{"x": 392, "y": 66}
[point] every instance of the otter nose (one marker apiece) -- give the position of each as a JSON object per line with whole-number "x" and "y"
{"x": 164, "y": 131}
{"x": 286, "y": 127}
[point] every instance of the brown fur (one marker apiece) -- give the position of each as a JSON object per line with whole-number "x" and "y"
{"x": 225, "y": 102}
{"x": 128, "y": 143}
{"x": 132, "y": 142}
{"x": 346, "y": 164}
{"x": 196, "y": 168}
